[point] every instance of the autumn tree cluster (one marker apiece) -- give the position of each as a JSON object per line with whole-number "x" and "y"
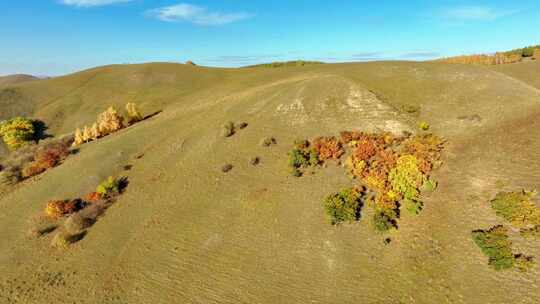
{"x": 394, "y": 169}
{"x": 498, "y": 58}
{"x": 107, "y": 122}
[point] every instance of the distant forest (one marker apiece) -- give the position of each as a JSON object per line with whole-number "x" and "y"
{"x": 513, "y": 56}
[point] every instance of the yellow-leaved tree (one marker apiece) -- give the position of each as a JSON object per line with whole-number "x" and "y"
{"x": 94, "y": 131}
{"x": 109, "y": 121}
{"x": 17, "y": 132}
{"x": 133, "y": 114}
{"x": 78, "y": 140}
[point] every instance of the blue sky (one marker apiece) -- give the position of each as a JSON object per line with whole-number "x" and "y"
{"x": 53, "y": 37}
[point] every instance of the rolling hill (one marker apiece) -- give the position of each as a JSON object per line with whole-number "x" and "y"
{"x": 15, "y": 79}
{"x": 185, "y": 232}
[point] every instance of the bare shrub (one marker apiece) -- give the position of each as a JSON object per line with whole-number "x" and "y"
{"x": 228, "y": 129}
{"x": 268, "y": 141}
{"x": 63, "y": 239}
{"x": 226, "y": 168}
{"x": 76, "y": 223}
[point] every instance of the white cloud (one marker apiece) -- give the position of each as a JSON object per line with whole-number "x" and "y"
{"x": 476, "y": 13}
{"x": 195, "y": 14}
{"x": 89, "y": 3}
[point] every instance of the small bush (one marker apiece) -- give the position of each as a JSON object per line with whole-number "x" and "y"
{"x": 11, "y": 176}
{"x": 531, "y": 233}
{"x": 298, "y": 159}
{"x": 517, "y": 208}
{"x": 17, "y": 132}
{"x": 301, "y": 144}
{"x": 254, "y": 161}
{"x": 77, "y": 223}
{"x": 32, "y": 170}
{"x": 295, "y": 172}
{"x": 63, "y": 239}
{"x": 87, "y": 217}
{"x": 52, "y": 153}
{"x": 523, "y": 263}
{"x": 328, "y": 148}
{"x": 92, "y": 197}
{"x": 429, "y": 185}
{"x": 495, "y": 244}
{"x": 57, "y": 209}
{"x": 33, "y": 159}
{"x": 314, "y": 159}
{"x": 268, "y": 141}
{"x": 133, "y": 114}
{"x": 414, "y": 206}
{"x": 348, "y": 136}
{"x": 384, "y": 220}
{"x": 226, "y": 168}
{"x": 242, "y": 125}
{"x": 228, "y": 129}
{"x": 109, "y": 188}
{"x": 46, "y": 157}
{"x": 365, "y": 149}
{"x": 406, "y": 178}
{"x": 344, "y": 205}
{"x": 302, "y": 156}
{"x": 424, "y": 126}
{"x": 411, "y": 109}
{"x": 528, "y": 52}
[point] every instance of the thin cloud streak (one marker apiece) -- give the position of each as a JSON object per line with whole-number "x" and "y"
{"x": 91, "y": 3}
{"x": 198, "y": 15}
{"x": 476, "y": 13}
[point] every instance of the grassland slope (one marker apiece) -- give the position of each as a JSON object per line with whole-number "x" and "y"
{"x": 15, "y": 79}
{"x": 185, "y": 232}
{"x": 528, "y": 72}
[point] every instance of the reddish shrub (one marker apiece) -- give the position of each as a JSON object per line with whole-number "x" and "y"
{"x": 348, "y": 136}
{"x": 32, "y": 170}
{"x": 328, "y": 148}
{"x": 57, "y": 209}
{"x": 92, "y": 197}
{"x": 301, "y": 144}
{"x": 426, "y": 148}
{"x": 45, "y": 158}
{"x": 52, "y": 154}
{"x": 365, "y": 150}
{"x": 388, "y": 158}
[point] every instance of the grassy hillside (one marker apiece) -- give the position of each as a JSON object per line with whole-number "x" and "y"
{"x": 186, "y": 232}
{"x": 15, "y": 79}
{"x": 279, "y": 64}
{"x": 528, "y": 72}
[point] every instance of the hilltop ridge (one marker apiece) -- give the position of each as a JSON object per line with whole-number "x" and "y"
{"x": 15, "y": 79}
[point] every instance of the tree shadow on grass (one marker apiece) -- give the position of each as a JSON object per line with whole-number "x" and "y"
{"x": 40, "y": 130}
{"x": 152, "y": 115}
